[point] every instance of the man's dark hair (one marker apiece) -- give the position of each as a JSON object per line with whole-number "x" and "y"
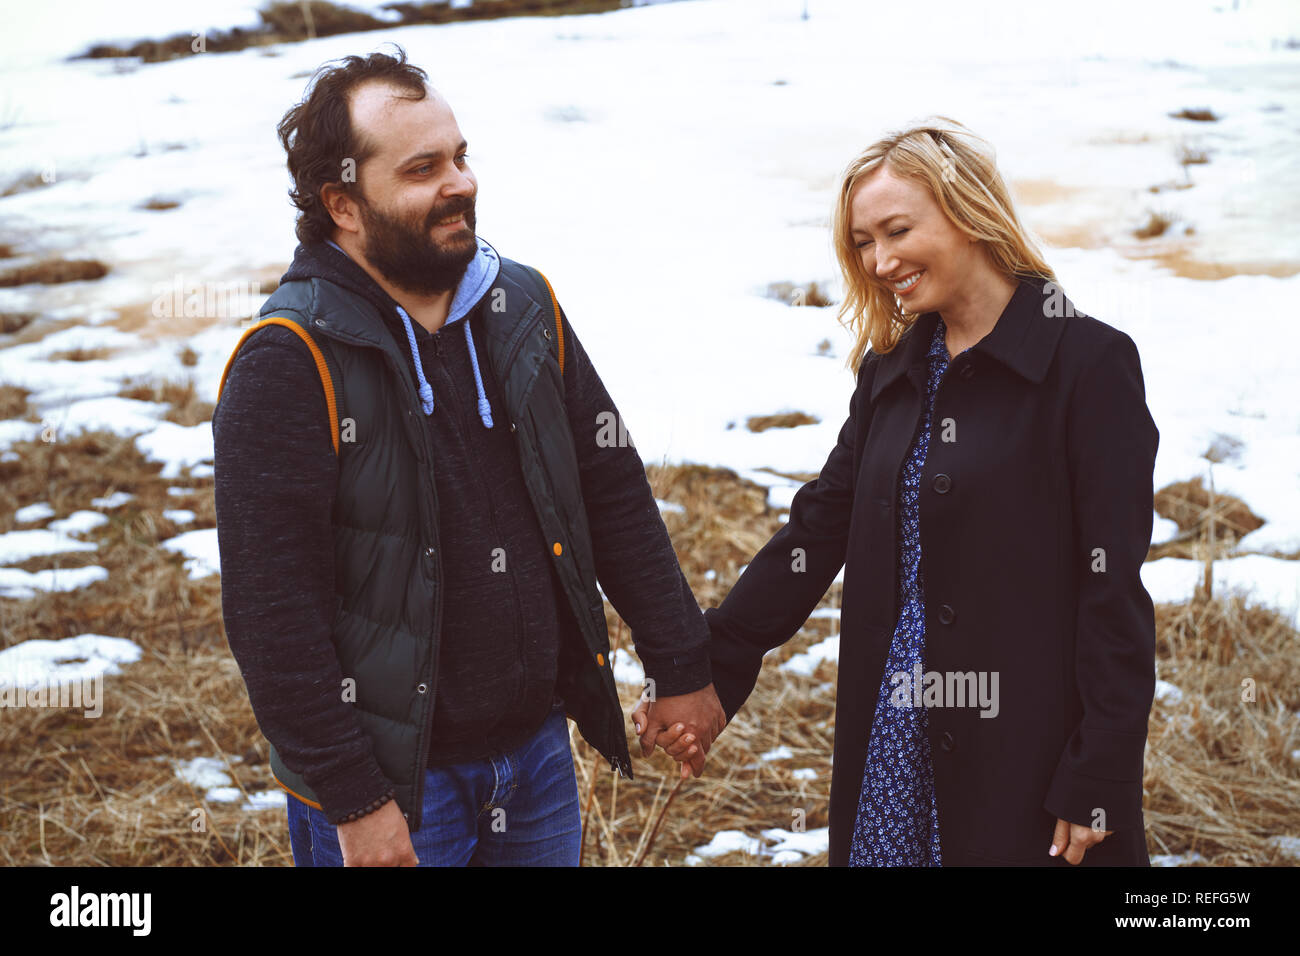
{"x": 318, "y": 135}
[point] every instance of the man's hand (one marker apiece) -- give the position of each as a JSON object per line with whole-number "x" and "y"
{"x": 687, "y": 722}
{"x": 378, "y": 839}
{"x": 1074, "y": 840}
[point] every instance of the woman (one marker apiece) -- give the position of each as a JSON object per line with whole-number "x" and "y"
{"x": 990, "y": 500}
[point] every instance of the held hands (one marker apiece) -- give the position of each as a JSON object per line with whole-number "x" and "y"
{"x": 1074, "y": 840}
{"x": 685, "y": 726}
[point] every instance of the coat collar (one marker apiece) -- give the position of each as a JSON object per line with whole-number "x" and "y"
{"x": 1023, "y": 339}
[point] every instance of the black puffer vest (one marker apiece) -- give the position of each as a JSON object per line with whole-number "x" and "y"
{"x": 388, "y": 600}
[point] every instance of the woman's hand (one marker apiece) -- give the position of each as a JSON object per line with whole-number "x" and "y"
{"x": 1074, "y": 840}
{"x": 665, "y": 721}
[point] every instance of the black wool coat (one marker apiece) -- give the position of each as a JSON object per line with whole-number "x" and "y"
{"x": 1035, "y": 517}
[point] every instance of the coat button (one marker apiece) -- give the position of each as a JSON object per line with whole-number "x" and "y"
{"x": 321, "y": 323}
{"x": 946, "y": 741}
{"x": 546, "y": 332}
{"x": 512, "y": 428}
{"x": 421, "y": 688}
{"x": 942, "y": 483}
{"x": 428, "y": 552}
{"x": 946, "y": 615}
{"x": 967, "y": 370}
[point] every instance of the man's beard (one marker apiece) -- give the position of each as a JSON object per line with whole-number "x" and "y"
{"x": 409, "y": 258}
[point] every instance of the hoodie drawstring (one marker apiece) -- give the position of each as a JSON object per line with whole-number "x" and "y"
{"x": 484, "y": 409}
{"x": 426, "y": 390}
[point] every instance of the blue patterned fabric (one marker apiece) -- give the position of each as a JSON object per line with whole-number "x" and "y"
{"x": 898, "y": 821}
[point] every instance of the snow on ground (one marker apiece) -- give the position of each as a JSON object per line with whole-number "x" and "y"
{"x": 115, "y": 500}
{"x": 782, "y": 846}
{"x": 79, "y": 658}
{"x": 627, "y": 669}
{"x": 1167, "y": 692}
{"x": 806, "y": 662}
{"x": 1176, "y": 859}
{"x": 202, "y": 556}
{"x": 1288, "y": 845}
{"x": 209, "y": 775}
{"x": 19, "y": 584}
{"x": 79, "y": 522}
{"x": 177, "y": 446}
{"x": 1269, "y": 581}
{"x": 35, "y": 512}
{"x": 662, "y": 210}
{"x": 16, "y": 546}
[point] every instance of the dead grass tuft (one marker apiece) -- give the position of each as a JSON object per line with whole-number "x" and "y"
{"x": 80, "y": 354}
{"x": 186, "y": 406}
{"x": 1200, "y": 512}
{"x": 761, "y": 423}
{"x": 13, "y": 401}
{"x": 53, "y": 271}
{"x": 1199, "y": 114}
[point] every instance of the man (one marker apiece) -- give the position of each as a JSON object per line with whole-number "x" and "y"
{"x": 414, "y": 502}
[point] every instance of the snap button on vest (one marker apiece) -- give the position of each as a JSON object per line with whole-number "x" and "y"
{"x": 946, "y": 615}
{"x": 546, "y": 332}
{"x": 942, "y": 483}
{"x": 421, "y": 688}
{"x": 428, "y": 552}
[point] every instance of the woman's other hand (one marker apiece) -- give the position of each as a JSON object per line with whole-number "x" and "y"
{"x": 1074, "y": 840}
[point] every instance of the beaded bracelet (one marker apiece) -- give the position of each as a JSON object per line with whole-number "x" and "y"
{"x": 369, "y": 808}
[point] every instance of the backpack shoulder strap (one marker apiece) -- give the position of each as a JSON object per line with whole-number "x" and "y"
{"x": 322, "y": 368}
{"x": 536, "y": 274}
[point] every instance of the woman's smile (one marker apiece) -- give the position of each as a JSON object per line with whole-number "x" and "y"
{"x": 908, "y": 282}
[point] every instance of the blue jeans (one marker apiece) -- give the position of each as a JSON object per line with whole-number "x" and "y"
{"x": 518, "y": 808}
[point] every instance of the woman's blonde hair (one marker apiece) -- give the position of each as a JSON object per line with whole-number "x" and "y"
{"x": 960, "y": 170}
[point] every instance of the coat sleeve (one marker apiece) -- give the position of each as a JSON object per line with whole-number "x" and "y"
{"x": 790, "y": 574}
{"x": 275, "y": 485}
{"x": 1111, "y": 445}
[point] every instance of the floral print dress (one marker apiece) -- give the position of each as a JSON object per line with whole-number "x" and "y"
{"x": 898, "y": 821}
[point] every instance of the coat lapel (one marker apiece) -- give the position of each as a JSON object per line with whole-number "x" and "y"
{"x": 1023, "y": 339}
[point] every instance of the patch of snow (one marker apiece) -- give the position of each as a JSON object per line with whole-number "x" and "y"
{"x": 202, "y": 556}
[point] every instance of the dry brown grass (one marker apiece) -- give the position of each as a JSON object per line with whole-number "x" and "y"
{"x": 1219, "y": 777}
{"x": 1202, "y": 513}
{"x": 291, "y": 21}
{"x": 761, "y": 423}
{"x": 54, "y": 271}
{"x": 185, "y": 406}
{"x": 13, "y": 401}
{"x": 79, "y": 354}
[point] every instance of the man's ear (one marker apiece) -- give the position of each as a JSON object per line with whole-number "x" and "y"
{"x": 341, "y": 206}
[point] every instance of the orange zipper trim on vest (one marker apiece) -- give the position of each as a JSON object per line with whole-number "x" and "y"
{"x": 327, "y": 382}
{"x": 310, "y": 803}
{"x": 559, "y": 325}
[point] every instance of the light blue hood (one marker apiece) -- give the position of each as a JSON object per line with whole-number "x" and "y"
{"x": 474, "y": 284}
